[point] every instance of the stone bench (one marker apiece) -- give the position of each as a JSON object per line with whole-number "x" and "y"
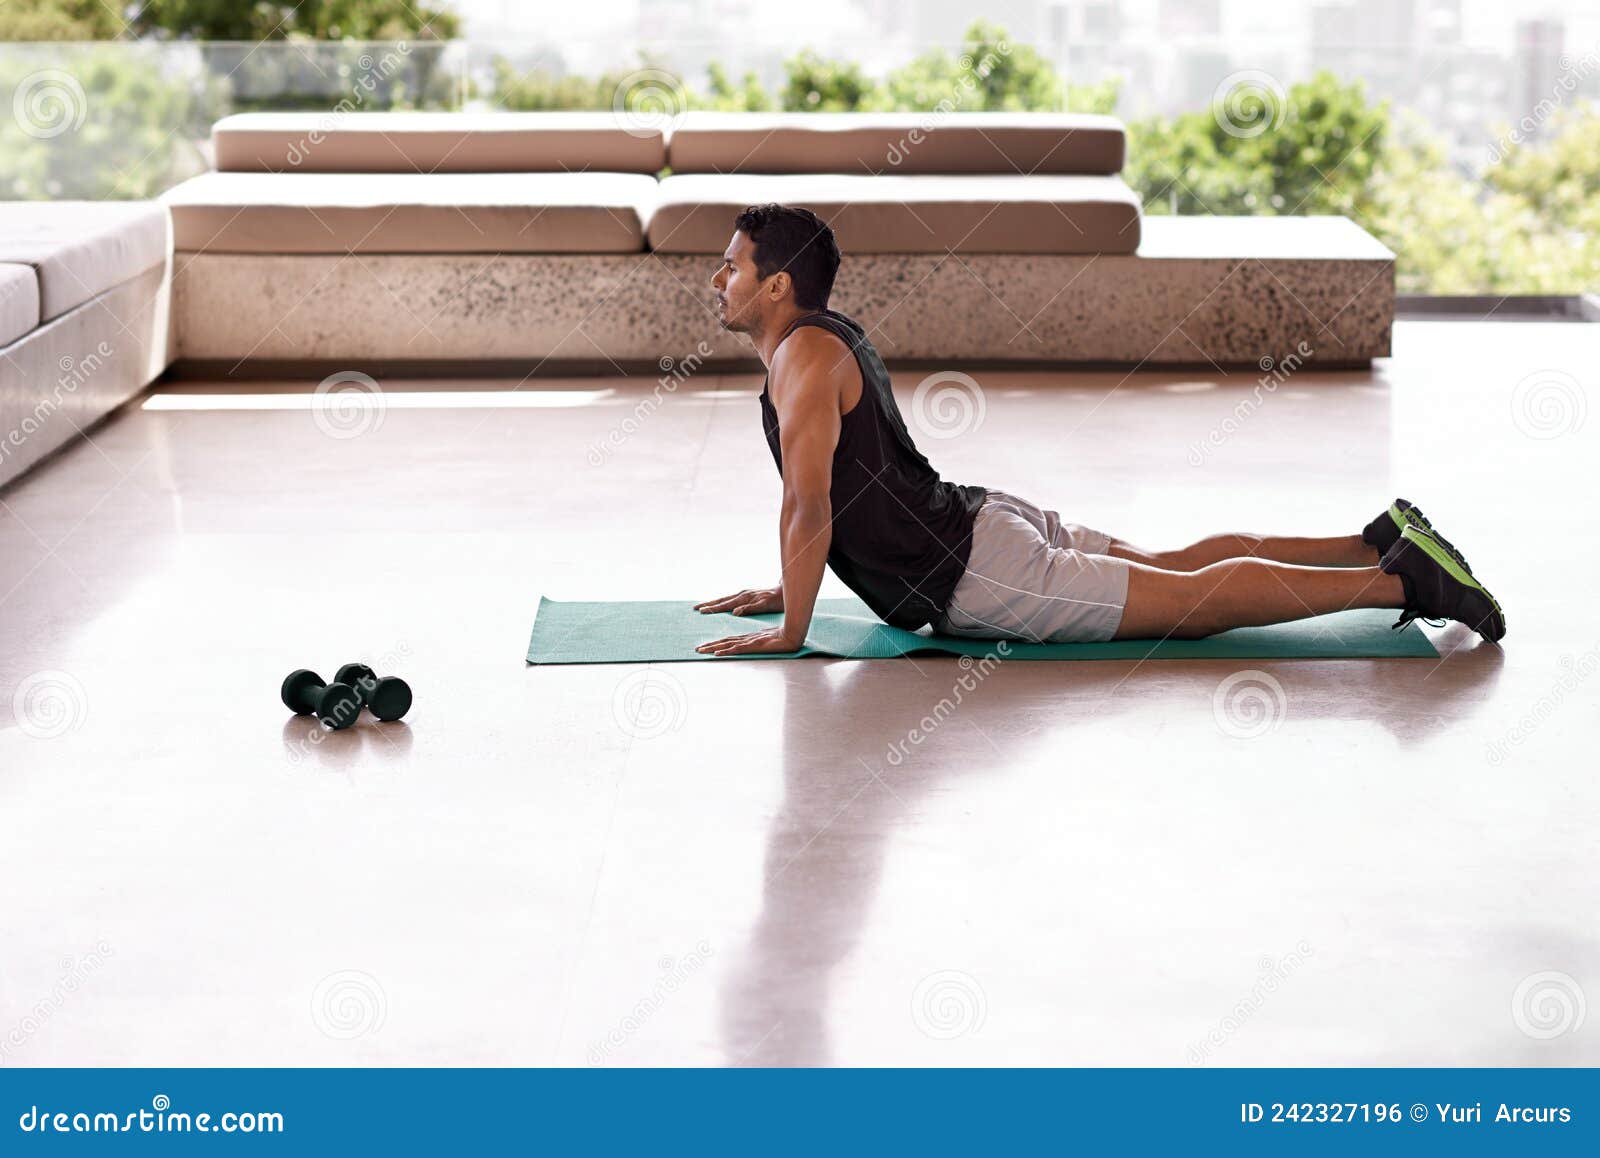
{"x": 991, "y": 237}
{"x": 1182, "y": 299}
{"x": 85, "y": 293}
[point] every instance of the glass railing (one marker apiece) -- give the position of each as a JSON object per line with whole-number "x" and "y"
{"x": 1475, "y": 164}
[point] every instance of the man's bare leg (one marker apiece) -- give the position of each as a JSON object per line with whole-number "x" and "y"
{"x": 1245, "y": 593}
{"x": 1341, "y": 551}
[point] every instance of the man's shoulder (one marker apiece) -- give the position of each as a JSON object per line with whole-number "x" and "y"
{"x": 815, "y": 353}
{"x": 811, "y": 340}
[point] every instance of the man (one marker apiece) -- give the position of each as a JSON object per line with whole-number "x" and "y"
{"x": 857, "y": 496}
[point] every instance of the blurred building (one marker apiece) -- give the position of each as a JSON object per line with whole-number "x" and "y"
{"x": 1537, "y": 72}
{"x": 1090, "y": 41}
{"x": 1190, "y": 19}
{"x": 946, "y": 21}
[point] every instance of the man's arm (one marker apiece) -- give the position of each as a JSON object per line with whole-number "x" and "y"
{"x": 806, "y": 383}
{"x": 807, "y": 402}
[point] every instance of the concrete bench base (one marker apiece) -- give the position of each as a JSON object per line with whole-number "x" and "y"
{"x": 62, "y": 378}
{"x": 1229, "y": 291}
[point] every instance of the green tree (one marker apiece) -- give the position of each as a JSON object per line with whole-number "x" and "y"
{"x": 929, "y": 82}
{"x": 541, "y": 89}
{"x": 1552, "y": 184}
{"x": 281, "y": 19}
{"x": 648, "y": 90}
{"x": 990, "y": 74}
{"x": 59, "y": 20}
{"x": 100, "y": 123}
{"x": 1312, "y": 150}
{"x": 1176, "y": 167}
{"x": 1430, "y": 215}
{"x": 1095, "y": 98}
{"x": 816, "y": 85}
{"x": 336, "y": 74}
{"x": 749, "y": 96}
{"x": 1557, "y": 172}
{"x": 1011, "y": 77}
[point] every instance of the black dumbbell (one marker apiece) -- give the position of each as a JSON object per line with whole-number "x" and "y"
{"x": 337, "y": 704}
{"x": 387, "y": 698}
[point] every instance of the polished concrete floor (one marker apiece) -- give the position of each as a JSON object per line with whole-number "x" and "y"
{"x": 754, "y": 863}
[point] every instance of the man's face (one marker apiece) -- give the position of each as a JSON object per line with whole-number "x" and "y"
{"x": 739, "y": 287}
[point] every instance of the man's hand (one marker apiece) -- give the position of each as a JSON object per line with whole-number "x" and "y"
{"x": 772, "y": 641}
{"x": 756, "y": 601}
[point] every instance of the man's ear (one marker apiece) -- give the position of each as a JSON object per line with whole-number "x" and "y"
{"x": 779, "y": 285}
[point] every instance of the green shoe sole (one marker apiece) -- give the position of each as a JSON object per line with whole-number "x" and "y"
{"x": 1404, "y": 515}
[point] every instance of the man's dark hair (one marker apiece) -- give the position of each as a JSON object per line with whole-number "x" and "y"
{"x": 797, "y": 242}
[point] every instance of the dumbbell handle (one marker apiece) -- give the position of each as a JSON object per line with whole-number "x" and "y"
{"x": 337, "y": 704}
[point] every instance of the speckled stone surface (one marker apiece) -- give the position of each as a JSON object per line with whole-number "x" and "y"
{"x": 63, "y": 377}
{"x": 1143, "y": 308}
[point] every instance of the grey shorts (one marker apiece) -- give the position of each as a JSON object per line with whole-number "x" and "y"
{"x": 1032, "y": 577}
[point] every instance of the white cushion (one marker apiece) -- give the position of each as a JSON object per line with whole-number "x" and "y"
{"x": 333, "y": 142}
{"x": 412, "y": 212}
{"x": 695, "y": 213}
{"x": 868, "y": 143}
{"x": 19, "y": 302}
{"x": 82, "y": 248}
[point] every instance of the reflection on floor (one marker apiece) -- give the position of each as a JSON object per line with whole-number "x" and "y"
{"x": 818, "y": 862}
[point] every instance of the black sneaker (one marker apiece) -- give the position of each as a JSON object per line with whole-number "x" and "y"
{"x": 1438, "y": 586}
{"x": 1384, "y": 531}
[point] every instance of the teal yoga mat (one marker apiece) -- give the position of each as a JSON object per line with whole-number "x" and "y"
{"x": 668, "y": 631}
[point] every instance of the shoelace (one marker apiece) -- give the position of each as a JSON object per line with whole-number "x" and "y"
{"x": 1407, "y": 616}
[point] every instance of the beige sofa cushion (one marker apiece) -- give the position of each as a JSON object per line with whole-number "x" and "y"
{"x": 82, "y": 248}
{"x": 695, "y": 214}
{"x": 19, "y": 302}
{"x": 867, "y": 143}
{"x": 435, "y": 143}
{"x": 412, "y": 212}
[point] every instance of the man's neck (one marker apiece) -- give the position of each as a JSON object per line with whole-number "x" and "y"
{"x": 771, "y": 335}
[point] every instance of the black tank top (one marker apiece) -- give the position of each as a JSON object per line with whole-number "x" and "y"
{"x": 901, "y": 535}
